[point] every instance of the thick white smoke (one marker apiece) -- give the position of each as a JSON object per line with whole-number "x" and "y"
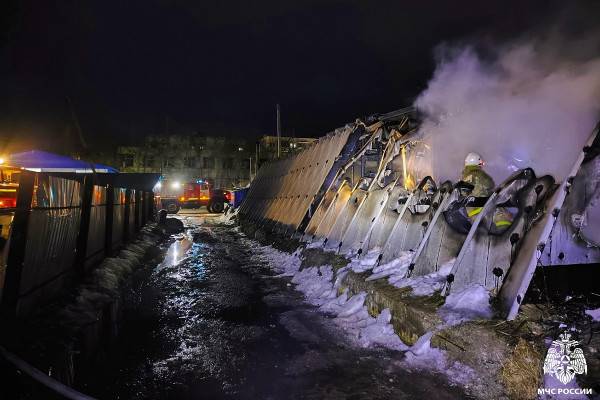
{"x": 530, "y": 107}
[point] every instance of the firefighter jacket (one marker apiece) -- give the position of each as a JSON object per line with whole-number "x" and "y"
{"x": 483, "y": 183}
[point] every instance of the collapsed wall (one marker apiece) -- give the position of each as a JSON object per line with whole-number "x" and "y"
{"x": 283, "y": 191}
{"x": 368, "y": 189}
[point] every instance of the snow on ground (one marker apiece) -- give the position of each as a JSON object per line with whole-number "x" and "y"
{"x": 350, "y": 313}
{"x": 422, "y": 356}
{"x": 315, "y": 244}
{"x": 472, "y": 302}
{"x": 395, "y": 269}
{"x": 365, "y": 330}
{"x": 281, "y": 262}
{"x": 228, "y": 218}
{"x": 315, "y": 283}
{"x": 595, "y": 314}
{"x": 366, "y": 262}
{"x": 425, "y": 285}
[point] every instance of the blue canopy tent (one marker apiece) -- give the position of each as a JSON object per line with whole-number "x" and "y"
{"x": 41, "y": 161}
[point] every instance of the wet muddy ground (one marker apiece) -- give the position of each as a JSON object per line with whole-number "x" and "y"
{"x": 212, "y": 322}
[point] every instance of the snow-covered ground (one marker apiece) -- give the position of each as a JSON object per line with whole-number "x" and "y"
{"x": 350, "y": 313}
{"x": 470, "y": 303}
{"x": 228, "y": 218}
{"x": 396, "y": 273}
{"x": 595, "y": 314}
{"x": 425, "y": 285}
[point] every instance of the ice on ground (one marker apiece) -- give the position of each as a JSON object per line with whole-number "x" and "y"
{"x": 395, "y": 269}
{"x": 177, "y": 251}
{"x": 425, "y": 285}
{"x": 470, "y": 303}
{"x": 595, "y": 314}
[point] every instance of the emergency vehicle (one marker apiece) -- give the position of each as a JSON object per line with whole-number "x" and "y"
{"x": 174, "y": 195}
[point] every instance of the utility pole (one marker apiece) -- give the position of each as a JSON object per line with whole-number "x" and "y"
{"x": 75, "y": 120}
{"x": 257, "y": 155}
{"x": 278, "y": 132}
{"x": 250, "y": 176}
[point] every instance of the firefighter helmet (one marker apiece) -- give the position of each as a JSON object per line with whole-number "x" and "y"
{"x": 473, "y": 159}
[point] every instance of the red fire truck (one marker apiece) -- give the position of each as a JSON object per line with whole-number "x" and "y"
{"x": 8, "y": 187}
{"x": 176, "y": 194}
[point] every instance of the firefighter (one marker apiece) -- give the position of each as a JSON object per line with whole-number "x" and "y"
{"x": 483, "y": 186}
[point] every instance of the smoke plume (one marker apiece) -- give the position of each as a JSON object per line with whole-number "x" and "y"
{"x": 531, "y": 104}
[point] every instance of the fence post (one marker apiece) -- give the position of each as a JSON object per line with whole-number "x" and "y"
{"x": 150, "y": 207}
{"x": 144, "y": 208}
{"x": 127, "y": 215}
{"x": 17, "y": 245}
{"x": 84, "y": 224}
{"x": 138, "y": 204}
{"x": 110, "y": 205}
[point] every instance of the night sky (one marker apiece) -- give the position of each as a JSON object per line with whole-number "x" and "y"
{"x": 133, "y": 68}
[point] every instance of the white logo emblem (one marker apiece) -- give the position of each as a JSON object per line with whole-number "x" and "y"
{"x": 565, "y": 359}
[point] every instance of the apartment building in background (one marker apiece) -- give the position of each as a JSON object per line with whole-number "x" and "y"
{"x": 267, "y": 147}
{"x": 223, "y": 162}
